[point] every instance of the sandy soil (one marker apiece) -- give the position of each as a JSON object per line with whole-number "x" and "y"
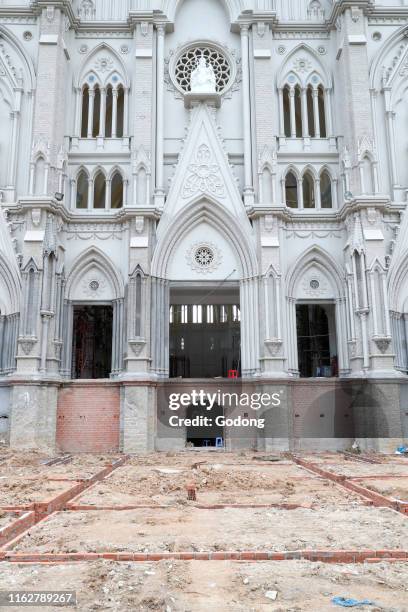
{"x": 396, "y": 488}
{"x": 18, "y": 491}
{"x": 146, "y": 530}
{"x": 226, "y": 586}
{"x": 6, "y": 518}
{"x": 216, "y": 484}
{"x": 32, "y": 465}
{"x": 367, "y": 469}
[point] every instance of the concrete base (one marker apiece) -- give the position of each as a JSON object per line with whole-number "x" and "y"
{"x": 314, "y": 414}
{"x": 138, "y": 410}
{"x": 34, "y": 417}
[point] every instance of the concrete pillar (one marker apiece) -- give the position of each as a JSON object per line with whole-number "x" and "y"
{"x": 246, "y": 103}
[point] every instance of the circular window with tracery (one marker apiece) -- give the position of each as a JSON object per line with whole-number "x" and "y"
{"x": 204, "y": 256}
{"x": 187, "y": 62}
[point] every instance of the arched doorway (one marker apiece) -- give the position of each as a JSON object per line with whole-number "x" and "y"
{"x": 204, "y": 435}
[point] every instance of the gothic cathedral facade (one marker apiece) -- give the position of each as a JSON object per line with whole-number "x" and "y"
{"x": 156, "y": 237}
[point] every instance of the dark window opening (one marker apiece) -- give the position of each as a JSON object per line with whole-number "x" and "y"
{"x": 316, "y": 340}
{"x": 286, "y": 111}
{"x": 291, "y": 190}
{"x": 85, "y": 112}
{"x": 92, "y": 342}
{"x": 205, "y": 340}
{"x": 322, "y": 113}
{"x": 205, "y": 436}
{"x": 109, "y": 112}
{"x": 298, "y": 112}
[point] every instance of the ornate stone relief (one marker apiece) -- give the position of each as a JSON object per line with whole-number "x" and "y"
{"x": 27, "y": 344}
{"x": 382, "y": 344}
{"x": 104, "y": 64}
{"x": 89, "y": 231}
{"x": 204, "y": 176}
{"x": 274, "y": 346}
{"x": 302, "y": 64}
{"x": 137, "y": 346}
{"x": 93, "y": 286}
{"x": 183, "y": 60}
{"x": 315, "y": 286}
{"x": 204, "y": 257}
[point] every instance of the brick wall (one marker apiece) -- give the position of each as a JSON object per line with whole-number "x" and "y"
{"x": 88, "y": 417}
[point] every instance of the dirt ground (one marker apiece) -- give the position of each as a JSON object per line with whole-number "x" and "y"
{"x": 216, "y": 484}
{"x": 330, "y": 518}
{"x": 216, "y": 586}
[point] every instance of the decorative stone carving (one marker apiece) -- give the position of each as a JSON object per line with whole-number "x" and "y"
{"x": 139, "y": 224}
{"x": 137, "y": 346}
{"x": 87, "y": 10}
{"x": 314, "y": 286}
{"x": 93, "y": 287}
{"x": 302, "y": 64}
{"x": 183, "y": 61}
{"x": 204, "y": 257}
{"x": 203, "y": 78}
{"x": 274, "y": 346}
{"x": 204, "y": 176}
{"x": 27, "y": 344}
{"x": 104, "y": 64}
{"x": 382, "y": 343}
{"x": 36, "y": 216}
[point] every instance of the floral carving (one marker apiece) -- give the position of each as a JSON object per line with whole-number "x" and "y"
{"x": 204, "y": 175}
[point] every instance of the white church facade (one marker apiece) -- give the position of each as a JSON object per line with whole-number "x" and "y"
{"x": 203, "y": 194}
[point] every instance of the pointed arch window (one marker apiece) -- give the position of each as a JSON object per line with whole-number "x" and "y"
{"x": 298, "y": 111}
{"x": 117, "y": 191}
{"x": 326, "y": 197}
{"x": 286, "y": 111}
{"x": 97, "y": 112}
{"x": 322, "y": 111}
{"x": 120, "y": 121}
{"x": 109, "y": 111}
{"x": 82, "y": 191}
{"x": 99, "y": 191}
{"x": 85, "y": 111}
{"x": 304, "y": 108}
{"x": 291, "y": 190}
{"x": 308, "y": 191}
{"x": 103, "y": 109}
{"x": 310, "y": 111}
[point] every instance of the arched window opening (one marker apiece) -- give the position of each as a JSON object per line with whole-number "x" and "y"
{"x": 322, "y": 112}
{"x": 326, "y": 197}
{"x": 291, "y": 190}
{"x": 109, "y": 112}
{"x": 138, "y": 322}
{"x": 99, "y": 191}
{"x": 39, "y": 187}
{"x": 298, "y": 112}
{"x": 117, "y": 191}
{"x": 85, "y": 112}
{"x": 368, "y": 187}
{"x": 310, "y": 112}
{"x": 286, "y": 111}
{"x": 121, "y": 112}
{"x": 308, "y": 191}
{"x": 97, "y": 112}
{"x": 82, "y": 190}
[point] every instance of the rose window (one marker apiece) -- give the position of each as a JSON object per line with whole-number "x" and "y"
{"x": 187, "y": 62}
{"x": 204, "y": 256}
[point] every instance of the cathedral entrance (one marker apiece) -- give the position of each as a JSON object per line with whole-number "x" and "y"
{"x": 205, "y": 332}
{"x": 92, "y": 342}
{"x": 205, "y": 436}
{"x": 316, "y": 340}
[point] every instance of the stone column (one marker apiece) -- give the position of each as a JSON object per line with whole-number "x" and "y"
{"x": 246, "y": 102}
{"x": 159, "y": 193}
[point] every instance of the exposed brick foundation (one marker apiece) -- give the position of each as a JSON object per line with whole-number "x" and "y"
{"x": 88, "y": 417}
